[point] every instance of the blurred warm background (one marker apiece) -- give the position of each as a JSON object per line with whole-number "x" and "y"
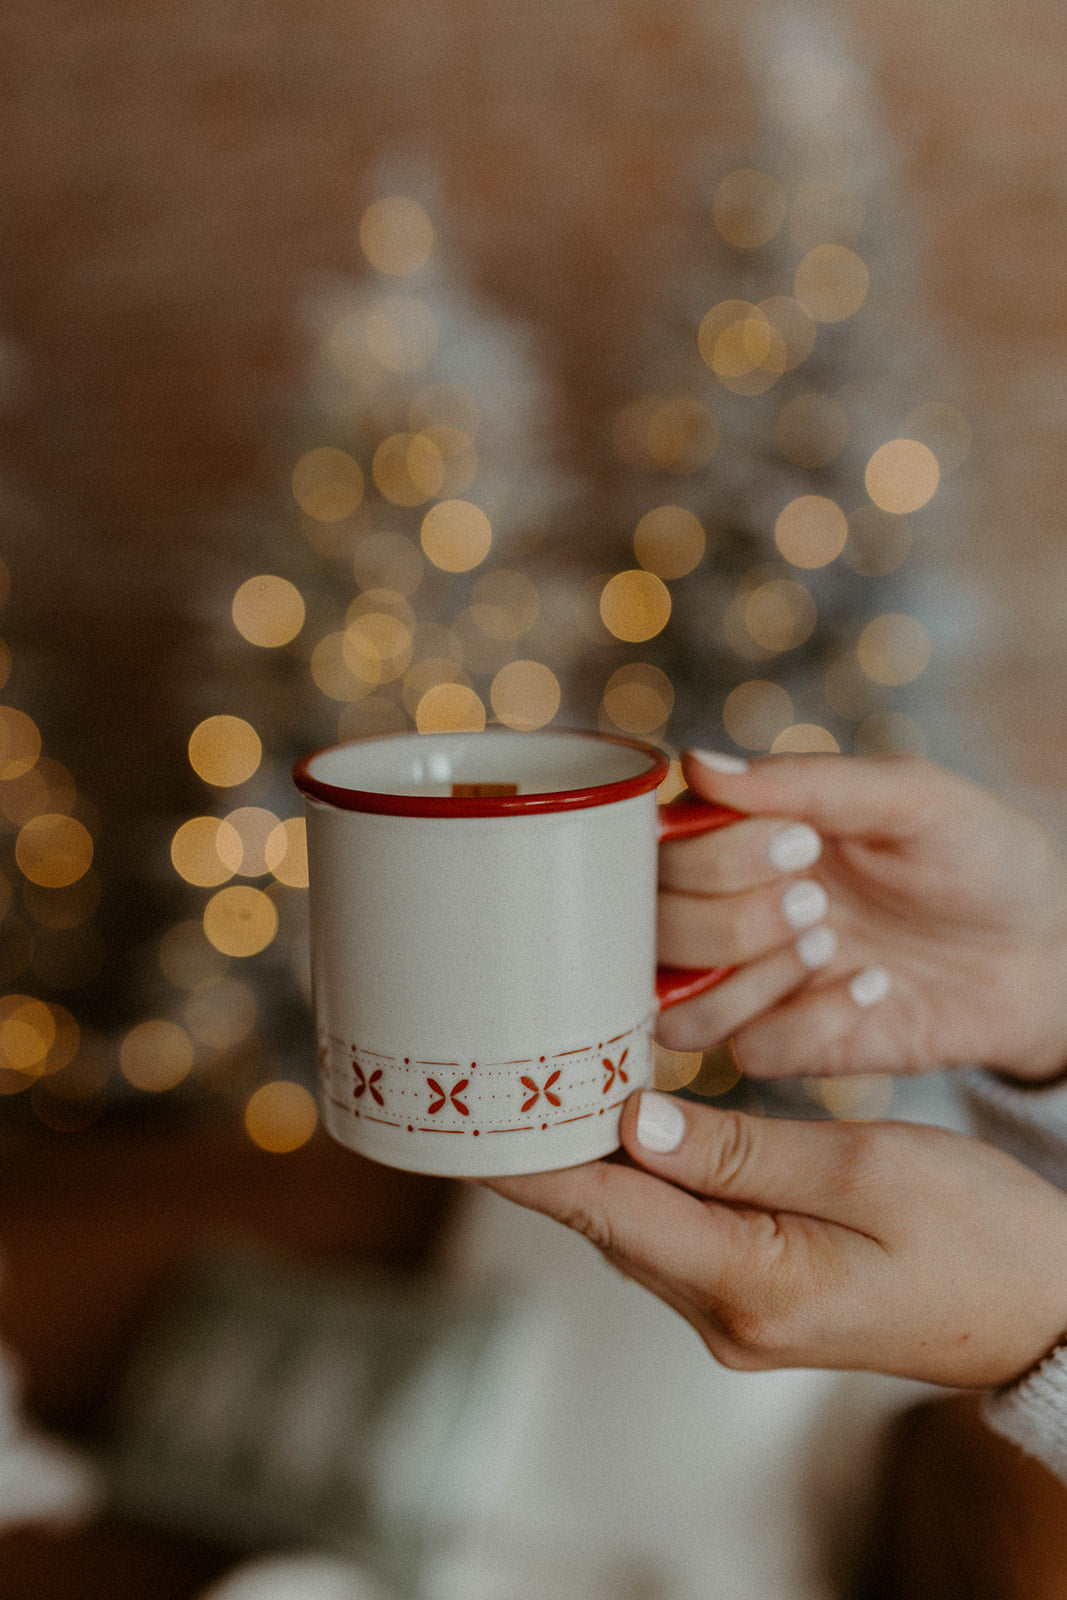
{"x": 695, "y": 372}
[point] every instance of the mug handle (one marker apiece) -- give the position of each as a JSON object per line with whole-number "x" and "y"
{"x": 683, "y": 819}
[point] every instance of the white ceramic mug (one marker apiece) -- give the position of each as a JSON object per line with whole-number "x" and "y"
{"x": 483, "y": 942}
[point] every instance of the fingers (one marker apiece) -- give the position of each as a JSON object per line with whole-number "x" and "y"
{"x": 715, "y": 1015}
{"x": 847, "y": 1026}
{"x": 698, "y": 930}
{"x": 895, "y": 796}
{"x": 743, "y": 856}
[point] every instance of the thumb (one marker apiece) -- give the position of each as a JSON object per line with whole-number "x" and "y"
{"x": 895, "y": 796}
{"x": 816, "y": 1169}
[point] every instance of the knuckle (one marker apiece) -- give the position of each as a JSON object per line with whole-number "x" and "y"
{"x": 727, "y": 1151}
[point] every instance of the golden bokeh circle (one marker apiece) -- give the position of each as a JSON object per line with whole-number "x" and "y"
{"x": 894, "y": 649}
{"x": 396, "y": 235}
{"x": 54, "y": 850}
{"x": 780, "y": 614}
{"x": 450, "y": 708}
{"x": 224, "y": 751}
{"x": 811, "y": 531}
{"x": 669, "y": 541}
{"x": 195, "y": 854}
{"x": 756, "y": 712}
{"x": 286, "y": 853}
{"x": 156, "y": 1055}
{"x": 250, "y": 827}
{"x": 281, "y": 1116}
{"x": 240, "y": 920}
{"x": 805, "y": 738}
{"x": 831, "y": 283}
{"x": 638, "y": 698}
{"x": 902, "y": 475}
{"x": 327, "y": 484}
{"x": 456, "y": 535}
{"x": 268, "y": 611}
{"x": 635, "y": 605}
{"x": 20, "y": 743}
{"x": 525, "y": 695}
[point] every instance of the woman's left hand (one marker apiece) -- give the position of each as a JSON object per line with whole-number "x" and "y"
{"x": 882, "y": 1246}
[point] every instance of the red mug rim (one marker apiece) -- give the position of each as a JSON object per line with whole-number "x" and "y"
{"x": 383, "y": 803}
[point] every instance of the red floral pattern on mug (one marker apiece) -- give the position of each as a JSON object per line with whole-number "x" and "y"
{"x": 536, "y": 1091}
{"x": 446, "y": 1095}
{"x": 611, "y": 1069}
{"x": 364, "y": 1083}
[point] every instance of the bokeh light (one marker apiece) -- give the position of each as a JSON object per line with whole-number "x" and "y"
{"x": 749, "y": 207}
{"x": 902, "y": 475}
{"x": 397, "y": 236}
{"x": 224, "y": 751}
{"x": 944, "y": 430}
{"x": 332, "y": 671}
{"x": 805, "y": 738}
{"x": 220, "y": 1015}
{"x": 20, "y": 743}
{"x": 408, "y": 469}
{"x": 286, "y": 852}
{"x": 205, "y": 851}
{"x": 240, "y": 920}
{"x": 187, "y": 959}
{"x": 811, "y": 531}
{"x": 54, "y": 850}
{"x": 669, "y": 541}
{"x": 46, "y": 786}
{"x": 281, "y": 1116}
{"x": 156, "y": 1055}
{"x": 811, "y": 430}
{"x": 251, "y": 827}
{"x": 756, "y": 712}
{"x": 635, "y": 605}
{"x": 328, "y": 484}
{"x": 268, "y": 610}
{"x": 862, "y": 1098}
{"x": 878, "y": 542}
{"x": 639, "y": 698}
{"x": 679, "y": 434}
{"x": 456, "y": 535}
{"x": 525, "y": 695}
{"x": 894, "y": 649}
{"x": 831, "y": 283}
{"x": 673, "y": 1069}
{"x": 780, "y": 614}
{"x": 450, "y": 708}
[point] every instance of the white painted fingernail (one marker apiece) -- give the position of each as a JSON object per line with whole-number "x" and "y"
{"x": 817, "y": 947}
{"x": 660, "y": 1122}
{"x": 795, "y": 848}
{"x": 719, "y": 762}
{"x": 804, "y": 903}
{"x": 869, "y": 986}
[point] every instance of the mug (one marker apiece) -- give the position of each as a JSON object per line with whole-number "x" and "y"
{"x": 483, "y": 942}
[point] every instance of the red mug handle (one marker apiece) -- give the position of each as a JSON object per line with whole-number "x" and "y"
{"x": 682, "y": 819}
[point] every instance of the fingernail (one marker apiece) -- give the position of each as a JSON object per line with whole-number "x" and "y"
{"x": 869, "y": 986}
{"x": 795, "y": 848}
{"x": 660, "y": 1122}
{"x": 817, "y": 947}
{"x": 719, "y": 762}
{"x": 804, "y": 903}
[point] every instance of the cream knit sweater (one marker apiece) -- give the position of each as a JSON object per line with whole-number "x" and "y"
{"x": 1030, "y": 1124}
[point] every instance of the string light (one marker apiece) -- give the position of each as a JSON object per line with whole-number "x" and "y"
{"x": 397, "y": 236}
{"x": 780, "y": 614}
{"x": 268, "y": 611}
{"x": 240, "y": 920}
{"x": 286, "y": 853}
{"x": 456, "y": 535}
{"x": 280, "y": 1117}
{"x": 638, "y": 698}
{"x": 756, "y": 712}
{"x": 811, "y": 531}
{"x": 894, "y": 649}
{"x": 831, "y": 283}
{"x": 327, "y": 484}
{"x": 902, "y": 475}
{"x": 224, "y": 751}
{"x": 156, "y": 1055}
{"x": 805, "y": 738}
{"x": 450, "y": 708}
{"x": 53, "y": 850}
{"x": 203, "y": 853}
{"x": 20, "y": 743}
{"x": 635, "y": 605}
{"x": 670, "y": 541}
{"x": 525, "y": 695}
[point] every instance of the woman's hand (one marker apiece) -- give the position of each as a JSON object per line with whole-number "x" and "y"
{"x": 883, "y": 916}
{"x": 880, "y": 1246}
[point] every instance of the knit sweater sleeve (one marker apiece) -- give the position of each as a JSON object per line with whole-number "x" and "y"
{"x": 1030, "y": 1124}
